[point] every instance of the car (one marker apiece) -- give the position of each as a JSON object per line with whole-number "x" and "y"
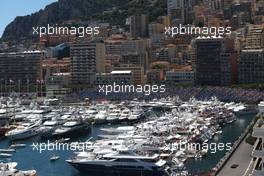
{"x": 234, "y": 166}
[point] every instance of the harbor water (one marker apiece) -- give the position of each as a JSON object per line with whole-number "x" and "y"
{"x": 230, "y": 134}
{"x": 27, "y": 158}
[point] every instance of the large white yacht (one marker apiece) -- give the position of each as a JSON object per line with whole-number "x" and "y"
{"x": 124, "y": 115}
{"x": 100, "y": 117}
{"x": 113, "y": 116}
{"x": 71, "y": 127}
{"x": 121, "y": 129}
{"x": 48, "y": 127}
{"x": 9, "y": 169}
{"x": 136, "y": 114}
{"x": 24, "y": 130}
{"x": 120, "y": 163}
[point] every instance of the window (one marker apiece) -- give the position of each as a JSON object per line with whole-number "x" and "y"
{"x": 125, "y": 160}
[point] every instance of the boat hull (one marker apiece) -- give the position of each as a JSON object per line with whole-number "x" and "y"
{"x": 24, "y": 135}
{"x": 46, "y": 133}
{"x": 99, "y": 121}
{"x": 101, "y": 170}
{"x": 75, "y": 132}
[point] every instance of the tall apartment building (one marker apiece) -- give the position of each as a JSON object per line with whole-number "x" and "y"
{"x": 154, "y": 76}
{"x": 24, "y": 66}
{"x": 156, "y": 34}
{"x": 241, "y": 13}
{"x": 139, "y": 26}
{"x": 251, "y": 66}
{"x": 56, "y": 86}
{"x": 53, "y": 66}
{"x": 117, "y": 77}
{"x": 180, "y": 77}
{"x": 212, "y": 63}
{"x": 113, "y": 46}
{"x": 215, "y": 4}
{"x": 118, "y": 45}
{"x": 137, "y": 71}
{"x": 134, "y": 46}
{"x": 130, "y": 51}
{"x": 174, "y": 4}
{"x": 87, "y": 59}
{"x": 255, "y": 37}
{"x": 179, "y": 10}
{"x": 227, "y": 3}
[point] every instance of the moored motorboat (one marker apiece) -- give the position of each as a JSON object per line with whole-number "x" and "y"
{"x": 122, "y": 163}
{"x": 100, "y": 117}
{"x": 24, "y": 130}
{"x": 71, "y": 128}
{"x": 54, "y": 158}
{"x": 48, "y": 127}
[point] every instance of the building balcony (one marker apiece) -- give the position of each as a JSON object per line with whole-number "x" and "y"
{"x": 258, "y": 168}
{"x": 261, "y": 107}
{"x": 258, "y": 129}
{"x": 258, "y": 150}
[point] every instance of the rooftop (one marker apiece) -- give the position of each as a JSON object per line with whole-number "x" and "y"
{"x": 253, "y": 50}
{"x": 121, "y": 72}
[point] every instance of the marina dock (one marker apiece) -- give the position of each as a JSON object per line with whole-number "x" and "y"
{"x": 159, "y": 130}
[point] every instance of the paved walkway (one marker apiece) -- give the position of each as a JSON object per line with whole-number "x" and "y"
{"x": 242, "y": 157}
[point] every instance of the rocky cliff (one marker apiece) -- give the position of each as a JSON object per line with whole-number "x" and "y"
{"x": 64, "y": 10}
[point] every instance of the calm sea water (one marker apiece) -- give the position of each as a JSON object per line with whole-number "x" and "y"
{"x": 29, "y": 159}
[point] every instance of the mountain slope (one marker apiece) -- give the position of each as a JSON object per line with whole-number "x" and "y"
{"x": 56, "y": 12}
{"x": 63, "y": 10}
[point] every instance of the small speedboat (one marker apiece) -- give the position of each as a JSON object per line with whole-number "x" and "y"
{"x": 71, "y": 128}
{"x": 18, "y": 145}
{"x": 7, "y": 150}
{"x": 5, "y": 155}
{"x": 54, "y": 158}
{"x": 198, "y": 156}
{"x": 63, "y": 140}
{"x": 219, "y": 132}
{"x": 23, "y": 131}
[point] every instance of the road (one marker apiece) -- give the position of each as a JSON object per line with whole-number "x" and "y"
{"x": 242, "y": 157}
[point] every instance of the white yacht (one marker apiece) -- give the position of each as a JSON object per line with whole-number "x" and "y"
{"x": 100, "y": 117}
{"x": 71, "y": 127}
{"x": 121, "y": 129}
{"x": 48, "y": 128}
{"x": 124, "y": 115}
{"x": 120, "y": 163}
{"x": 23, "y": 131}
{"x": 9, "y": 169}
{"x": 4, "y": 117}
{"x": 113, "y": 116}
{"x": 136, "y": 114}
